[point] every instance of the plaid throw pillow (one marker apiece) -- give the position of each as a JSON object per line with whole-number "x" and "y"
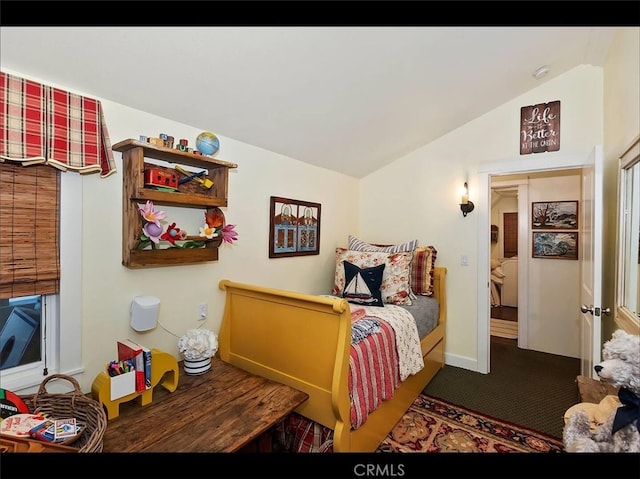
{"x": 422, "y": 269}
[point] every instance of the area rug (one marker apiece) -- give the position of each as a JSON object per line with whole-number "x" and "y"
{"x": 434, "y": 425}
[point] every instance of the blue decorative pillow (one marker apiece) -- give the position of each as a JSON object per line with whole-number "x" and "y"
{"x": 362, "y": 285}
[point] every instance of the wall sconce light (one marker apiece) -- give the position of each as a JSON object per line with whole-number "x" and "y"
{"x": 466, "y": 206}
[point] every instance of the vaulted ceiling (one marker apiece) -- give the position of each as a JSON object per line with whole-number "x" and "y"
{"x": 350, "y": 99}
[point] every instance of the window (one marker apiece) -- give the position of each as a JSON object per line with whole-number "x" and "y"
{"x": 41, "y": 127}
{"x": 27, "y": 327}
{"x": 21, "y": 330}
{"x": 510, "y": 238}
{"x": 627, "y": 311}
{"x": 62, "y": 310}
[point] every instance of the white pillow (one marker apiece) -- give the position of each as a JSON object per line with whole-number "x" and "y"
{"x": 498, "y": 272}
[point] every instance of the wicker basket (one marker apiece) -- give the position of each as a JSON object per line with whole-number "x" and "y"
{"x": 74, "y": 404}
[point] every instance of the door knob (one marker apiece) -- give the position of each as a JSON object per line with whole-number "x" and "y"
{"x": 586, "y": 309}
{"x": 590, "y": 309}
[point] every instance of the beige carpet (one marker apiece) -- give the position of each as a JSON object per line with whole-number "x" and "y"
{"x": 433, "y": 425}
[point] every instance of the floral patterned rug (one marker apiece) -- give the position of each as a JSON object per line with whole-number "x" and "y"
{"x": 434, "y": 425}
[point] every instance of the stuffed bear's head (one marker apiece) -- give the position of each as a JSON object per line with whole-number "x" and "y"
{"x": 621, "y": 361}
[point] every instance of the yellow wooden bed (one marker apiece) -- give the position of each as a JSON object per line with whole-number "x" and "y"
{"x": 304, "y": 341}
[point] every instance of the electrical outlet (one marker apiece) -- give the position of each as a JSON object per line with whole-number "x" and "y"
{"x": 202, "y": 311}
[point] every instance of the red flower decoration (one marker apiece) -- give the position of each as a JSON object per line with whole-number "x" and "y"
{"x": 172, "y": 234}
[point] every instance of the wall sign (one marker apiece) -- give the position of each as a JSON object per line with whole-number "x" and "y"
{"x": 540, "y": 128}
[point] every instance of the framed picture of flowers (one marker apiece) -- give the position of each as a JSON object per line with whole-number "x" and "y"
{"x": 294, "y": 227}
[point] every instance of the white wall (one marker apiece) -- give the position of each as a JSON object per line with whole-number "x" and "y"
{"x": 108, "y": 287}
{"x": 553, "y": 286}
{"x": 417, "y": 196}
{"x": 260, "y": 174}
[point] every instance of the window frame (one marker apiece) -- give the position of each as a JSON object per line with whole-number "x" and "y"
{"x": 63, "y": 310}
{"x": 31, "y": 371}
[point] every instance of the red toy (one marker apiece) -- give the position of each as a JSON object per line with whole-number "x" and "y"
{"x": 159, "y": 178}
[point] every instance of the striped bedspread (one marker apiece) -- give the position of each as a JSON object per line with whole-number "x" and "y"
{"x": 373, "y": 373}
{"x": 380, "y": 361}
{"x": 409, "y": 352}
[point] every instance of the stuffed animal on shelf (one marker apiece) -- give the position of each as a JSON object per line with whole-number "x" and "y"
{"x": 620, "y": 430}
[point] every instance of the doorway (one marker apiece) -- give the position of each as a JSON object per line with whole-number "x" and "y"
{"x": 518, "y": 170}
{"x": 504, "y": 260}
{"x": 550, "y": 317}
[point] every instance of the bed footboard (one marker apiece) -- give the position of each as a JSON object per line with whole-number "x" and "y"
{"x": 304, "y": 341}
{"x": 296, "y": 339}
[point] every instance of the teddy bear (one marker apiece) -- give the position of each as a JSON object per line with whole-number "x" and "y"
{"x": 620, "y": 431}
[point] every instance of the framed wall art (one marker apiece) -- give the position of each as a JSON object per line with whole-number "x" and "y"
{"x": 554, "y": 215}
{"x": 555, "y": 245}
{"x": 294, "y": 227}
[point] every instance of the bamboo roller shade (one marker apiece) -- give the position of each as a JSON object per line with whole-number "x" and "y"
{"x": 29, "y": 230}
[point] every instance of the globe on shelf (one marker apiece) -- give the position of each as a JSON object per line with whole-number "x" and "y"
{"x": 207, "y": 143}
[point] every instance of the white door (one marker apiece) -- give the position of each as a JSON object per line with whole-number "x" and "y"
{"x": 591, "y": 264}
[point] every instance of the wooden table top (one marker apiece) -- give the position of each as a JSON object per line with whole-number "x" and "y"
{"x": 221, "y": 410}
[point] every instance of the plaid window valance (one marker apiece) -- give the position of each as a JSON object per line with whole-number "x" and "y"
{"x": 40, "y": 124}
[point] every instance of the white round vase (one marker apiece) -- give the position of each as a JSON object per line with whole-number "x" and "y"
{"x": 194, "y": 367}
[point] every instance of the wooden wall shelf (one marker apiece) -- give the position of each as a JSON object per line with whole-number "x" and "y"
{"x": 189, "y": 195}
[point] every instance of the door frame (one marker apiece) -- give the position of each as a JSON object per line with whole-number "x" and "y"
{"x": 535, "y": 163}
{"x": 591, "y": 263}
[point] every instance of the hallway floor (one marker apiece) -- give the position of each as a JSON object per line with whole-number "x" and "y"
{"x": 504, "y": 322}
{"x": 506, "y": 313}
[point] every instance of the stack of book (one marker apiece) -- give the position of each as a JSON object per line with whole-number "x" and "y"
{"x": 140, "y": 356}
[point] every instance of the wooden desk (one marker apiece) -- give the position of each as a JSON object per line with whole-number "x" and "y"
{"x": 224, "y": 410}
